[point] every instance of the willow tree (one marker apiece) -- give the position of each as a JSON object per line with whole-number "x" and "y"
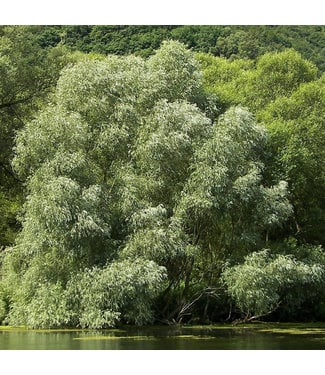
{"x": 226, "y": 208}
{"x": 265, "y": 282}
{"x": 286, "y": 94}
{"x": 121, "y": 168}
{"x": 77, "y": 159}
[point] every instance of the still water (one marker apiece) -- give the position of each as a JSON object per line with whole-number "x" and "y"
{"x": 277, "y": 337}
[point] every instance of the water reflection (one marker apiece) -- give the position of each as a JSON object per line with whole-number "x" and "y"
{"x": 159, "y": 338}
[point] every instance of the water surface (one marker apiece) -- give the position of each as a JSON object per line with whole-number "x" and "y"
{"x": 217, "y": 337}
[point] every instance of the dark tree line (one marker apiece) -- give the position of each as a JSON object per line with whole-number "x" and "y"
{"x": 226, "y": 41}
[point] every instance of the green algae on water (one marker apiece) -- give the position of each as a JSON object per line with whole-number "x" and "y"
{"x": 95, "y": 338}
{"x": 295, "y": 331}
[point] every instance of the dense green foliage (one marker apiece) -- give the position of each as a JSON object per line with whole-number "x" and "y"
{"x": 28, "y": 74}
{"x": 264, "y": 281}
{"x": 176, "y": 187}
{"x": 285, "y": 93}
{"x": 225, "y": 41}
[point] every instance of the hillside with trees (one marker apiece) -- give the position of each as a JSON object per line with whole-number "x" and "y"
{"x": 157, "y": 174}
{"x": 231, "y": 42}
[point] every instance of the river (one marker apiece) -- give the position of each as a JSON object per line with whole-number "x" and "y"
{"x": 217, "y": 337}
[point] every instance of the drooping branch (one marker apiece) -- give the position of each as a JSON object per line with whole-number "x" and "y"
{"x": 248, "y": 318}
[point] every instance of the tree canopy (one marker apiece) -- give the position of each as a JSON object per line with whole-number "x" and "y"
{"x": 172, "y": 186}
{"x": 228, "y": 41}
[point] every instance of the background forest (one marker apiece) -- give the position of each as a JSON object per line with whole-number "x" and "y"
{"x": 161, "y": 174}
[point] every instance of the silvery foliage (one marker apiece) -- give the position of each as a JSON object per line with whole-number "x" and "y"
{"x": 77, "y": 157}
{"x": 259, "y": 284}
{"x": 225, "y": 190}
{"x": 123, "y": 289}
{"x": 166, "y": 146}
{"x": 157, "y": 237}
{"x": 122, "y": 167}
